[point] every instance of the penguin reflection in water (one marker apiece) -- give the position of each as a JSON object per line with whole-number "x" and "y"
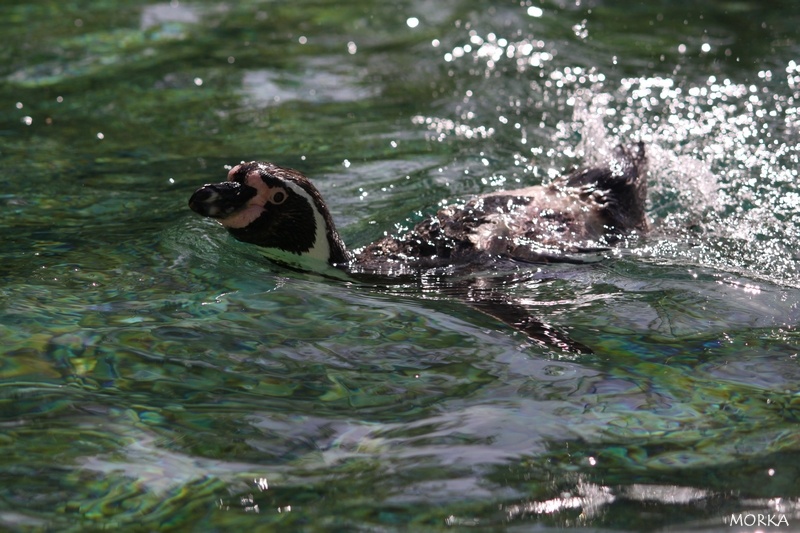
{"x": 280, "y": 210}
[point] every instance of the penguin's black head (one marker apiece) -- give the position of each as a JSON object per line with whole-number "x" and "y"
{"x": 275, "y": 208}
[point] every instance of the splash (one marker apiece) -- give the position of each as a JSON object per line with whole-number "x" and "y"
{"x": 723, "y": 191}
{"x": 722, "y": 151}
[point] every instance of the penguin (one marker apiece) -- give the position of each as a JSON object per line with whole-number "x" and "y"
{"x": 281, "y": 211}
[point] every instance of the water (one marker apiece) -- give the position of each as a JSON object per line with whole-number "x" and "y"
{"x": 158, "y": 375}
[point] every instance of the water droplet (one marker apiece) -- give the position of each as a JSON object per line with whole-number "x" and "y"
{"x": 534, "y": 11}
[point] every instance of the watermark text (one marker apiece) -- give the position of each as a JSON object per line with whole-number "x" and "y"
{"x": 757, "y": 520}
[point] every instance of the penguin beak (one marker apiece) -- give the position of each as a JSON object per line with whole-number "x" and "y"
{"x": 218, "y": 200}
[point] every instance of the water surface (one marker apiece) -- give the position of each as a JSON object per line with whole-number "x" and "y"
{"x": 157, "y": 375}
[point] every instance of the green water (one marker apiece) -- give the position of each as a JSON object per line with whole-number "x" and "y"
{"x": 156, "y": 375}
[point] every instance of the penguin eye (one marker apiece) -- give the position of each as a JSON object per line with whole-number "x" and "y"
{"x": 278, "y": 197}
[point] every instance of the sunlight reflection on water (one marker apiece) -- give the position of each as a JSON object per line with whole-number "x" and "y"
{"x": 320, "y": 81}
{"x": 722, "y": 157}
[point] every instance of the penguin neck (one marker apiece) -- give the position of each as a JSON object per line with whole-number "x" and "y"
{"x": 328, "y": 248}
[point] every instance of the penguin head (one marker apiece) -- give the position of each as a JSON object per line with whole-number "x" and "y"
{"x": 276, "y": 208}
